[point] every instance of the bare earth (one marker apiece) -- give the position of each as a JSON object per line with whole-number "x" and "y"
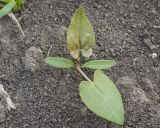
{"x": 46, "y": 97}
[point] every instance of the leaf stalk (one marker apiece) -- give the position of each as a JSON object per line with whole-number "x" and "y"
{"x": 82, "y": 73}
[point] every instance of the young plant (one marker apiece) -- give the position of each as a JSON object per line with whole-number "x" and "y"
{"x": 8, "y": 7}
{"x": 100, "y": 95}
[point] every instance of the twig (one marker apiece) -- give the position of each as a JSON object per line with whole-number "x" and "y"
{"x": 12, "y": 16}
{"x": 49, "y": 50}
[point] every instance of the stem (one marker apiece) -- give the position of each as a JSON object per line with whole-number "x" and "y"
{"x": 12, "y": 16}
{"x": 82, "y": 73}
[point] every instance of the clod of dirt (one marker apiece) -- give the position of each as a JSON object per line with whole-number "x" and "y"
{"x": 147, "y": 42}
{"x": 138, "y": 95}
{"x": 32, "y": 59}
{"x": 62, "y": 33}
{"x": 5, "y": 44}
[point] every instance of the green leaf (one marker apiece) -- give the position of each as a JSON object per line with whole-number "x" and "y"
{"x": 103, "y": 98}
{"x": 18, "y": 6}
{"x": 86, "y": 53}
{"x": 80, "y": 33}
{"x": 99, "y": 64}
{"x": 6, "y": 9}
{"x": 1, "y": 6}
{"x": 59, "y": 62}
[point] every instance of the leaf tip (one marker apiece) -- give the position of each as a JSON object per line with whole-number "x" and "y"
{"x": 120, "y": 121}
{"x": 81, "y": 7}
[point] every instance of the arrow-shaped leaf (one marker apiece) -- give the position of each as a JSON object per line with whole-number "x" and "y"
{"x": 80, "y": 33}
{"x": 59, "y": 62}
{"x": 99, "y": 64}
{"x": 103, "y": 98}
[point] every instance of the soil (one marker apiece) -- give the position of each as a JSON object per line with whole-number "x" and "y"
{"x": 126, "y": 30}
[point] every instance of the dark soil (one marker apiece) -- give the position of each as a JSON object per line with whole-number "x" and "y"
{"x": 46, "y": 97}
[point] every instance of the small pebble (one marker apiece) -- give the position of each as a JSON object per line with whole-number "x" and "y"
{"x": 154, "y": 55}
{"x": 154, "y": 11}
{"x": 136, "y": 6}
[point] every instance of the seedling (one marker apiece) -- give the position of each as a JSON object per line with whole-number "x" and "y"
{"x": 100, "y": 95}
{"x": 8, "y": 7}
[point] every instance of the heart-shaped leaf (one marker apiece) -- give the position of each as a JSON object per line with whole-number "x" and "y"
{"x": 99, "y": 64}
{"x": 59, "y": 62}
{"x": 6, "y": 9}
{"x": 80, "y": 33}
{"x": 103, "y": 98}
